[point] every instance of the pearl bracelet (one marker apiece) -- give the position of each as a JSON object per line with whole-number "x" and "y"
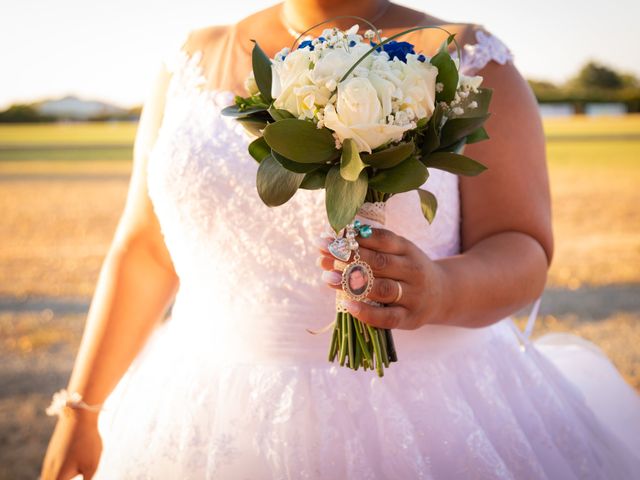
{"x": 63, "y": 398}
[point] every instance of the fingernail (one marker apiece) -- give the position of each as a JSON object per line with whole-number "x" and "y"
{"x": 331, "y": 277}
{"x": 319, "y": 260}
{"x": 321, "y": 242}
{"x": 352, "y": 306}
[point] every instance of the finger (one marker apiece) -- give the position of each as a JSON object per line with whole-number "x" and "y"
{"x": 385, "y": 264}
{"x": 381, "y": 317}
{"x": 384, "y": 240}
{"x": 385, "y": 290}
{"x": 88, "y": 472}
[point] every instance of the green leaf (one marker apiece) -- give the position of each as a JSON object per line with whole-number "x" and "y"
{"x": 235, "y": 111}
{"x": 447, "y": 75}
{"x": 261, "y": 71}
{"x": 276, "y": 185}
{"x": 301, "y": 141}
{"x": 253, "y": 125}
{"x": 432, "y": 133}
{"x": 454, "y": 163}
{"x": 405, "y": 176}
{"x": 315, "y": 179}
{"x": 259, "y": 149}
{"x": 389, "y": 157}
{"x": 428, "y": 204}
{"x": 343, "y": 198}
{"x": 350, "y": 163}
{"x": 457, "y": 147}
{"x": 278, "y": 114}
{"x": 456, "y": 128}
{"x": 295, "y": 166}
{"x": 477, "y": 135}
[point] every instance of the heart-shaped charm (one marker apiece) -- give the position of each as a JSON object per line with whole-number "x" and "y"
{"x": 339, "y": 248}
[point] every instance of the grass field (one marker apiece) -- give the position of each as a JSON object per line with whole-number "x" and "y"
{"x": 62, "y": 188}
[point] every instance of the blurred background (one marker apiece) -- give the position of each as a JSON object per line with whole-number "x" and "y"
{"x": 75, "y": 74}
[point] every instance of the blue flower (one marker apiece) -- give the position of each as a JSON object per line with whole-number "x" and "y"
{"x": 396, "y": 49}
{"x": 422, "y": 58}
{"x": 322, "y": 39}
{"x": 306, "y": 43}
{"x": 352, "y": 43}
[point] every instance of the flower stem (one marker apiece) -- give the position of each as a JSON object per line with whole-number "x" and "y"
{"x": 383, "y": 344}
{"x": 345, "y": 340}
{"x": 391, "y": 348}
{"x": 333, "y": 349}
{"x": 362, "y": 342}
{"x": 350, "y": 335}
{"x": 376, "y": 349}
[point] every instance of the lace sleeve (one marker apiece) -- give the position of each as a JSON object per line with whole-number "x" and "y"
{"x": 486, "y": 48}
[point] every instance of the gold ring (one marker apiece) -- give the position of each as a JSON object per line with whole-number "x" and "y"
{"x": 399, "y": 296}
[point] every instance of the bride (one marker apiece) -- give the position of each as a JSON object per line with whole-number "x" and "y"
{"x": 231, "y": 385}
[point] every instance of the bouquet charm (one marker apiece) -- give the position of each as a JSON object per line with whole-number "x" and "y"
{"x": 362, "y": 117}
{"x": 359, "y": 342}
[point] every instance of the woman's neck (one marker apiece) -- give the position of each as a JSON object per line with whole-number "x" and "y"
{"x": 302, "y": 14}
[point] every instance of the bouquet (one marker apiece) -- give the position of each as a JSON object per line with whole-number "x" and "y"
{"x": 364, "y": 117}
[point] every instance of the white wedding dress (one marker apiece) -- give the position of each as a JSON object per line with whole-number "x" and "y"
{"x": 232, "y": 386}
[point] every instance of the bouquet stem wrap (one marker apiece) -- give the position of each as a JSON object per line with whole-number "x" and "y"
{"x": 354, "y": 342}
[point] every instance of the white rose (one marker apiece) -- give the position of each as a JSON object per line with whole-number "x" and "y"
{"x": 419, "y": 87}
{"x": 287, "y": 75}
{"x": 384, "y": 89}
{"x": 358, "y": 114}
{"x": 334, "y": 63}
{"x": 308, "y": 98}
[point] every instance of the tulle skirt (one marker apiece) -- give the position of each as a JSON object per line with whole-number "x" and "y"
{"x": 465, "y": 403}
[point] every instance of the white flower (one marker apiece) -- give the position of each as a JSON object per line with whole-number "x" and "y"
{"x": 467, "y": 82}
{"x": 287, "y": 75}
{"x": 334, "y": 63}
{"x": 308, "y": 98}
{"x": 385, "y": 90}
{"x": 250, "y": 84}
{"x": 419, "y": 87}
{"x": 358, "y": 114}
{"x": 353, "y": 30}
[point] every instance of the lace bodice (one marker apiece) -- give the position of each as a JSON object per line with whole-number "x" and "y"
{"x": 227, "y": 246}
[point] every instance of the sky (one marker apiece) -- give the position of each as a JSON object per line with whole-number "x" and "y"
{"x": 110, "y": 50}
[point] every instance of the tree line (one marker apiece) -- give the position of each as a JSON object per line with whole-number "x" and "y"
{"x": 594, "y": 83}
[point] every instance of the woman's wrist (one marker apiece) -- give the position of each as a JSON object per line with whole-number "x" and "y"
{"x": 81, "y": 415}
{"x": 440, "y": 296}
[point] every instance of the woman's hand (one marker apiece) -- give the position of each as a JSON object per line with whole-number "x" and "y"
{"x": 393, "y": 259}
{"x": 75, "y": 447}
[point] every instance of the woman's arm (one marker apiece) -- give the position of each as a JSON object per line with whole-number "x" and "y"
{"x": 507, "y": 239}
{"x": 137, "y": 281}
